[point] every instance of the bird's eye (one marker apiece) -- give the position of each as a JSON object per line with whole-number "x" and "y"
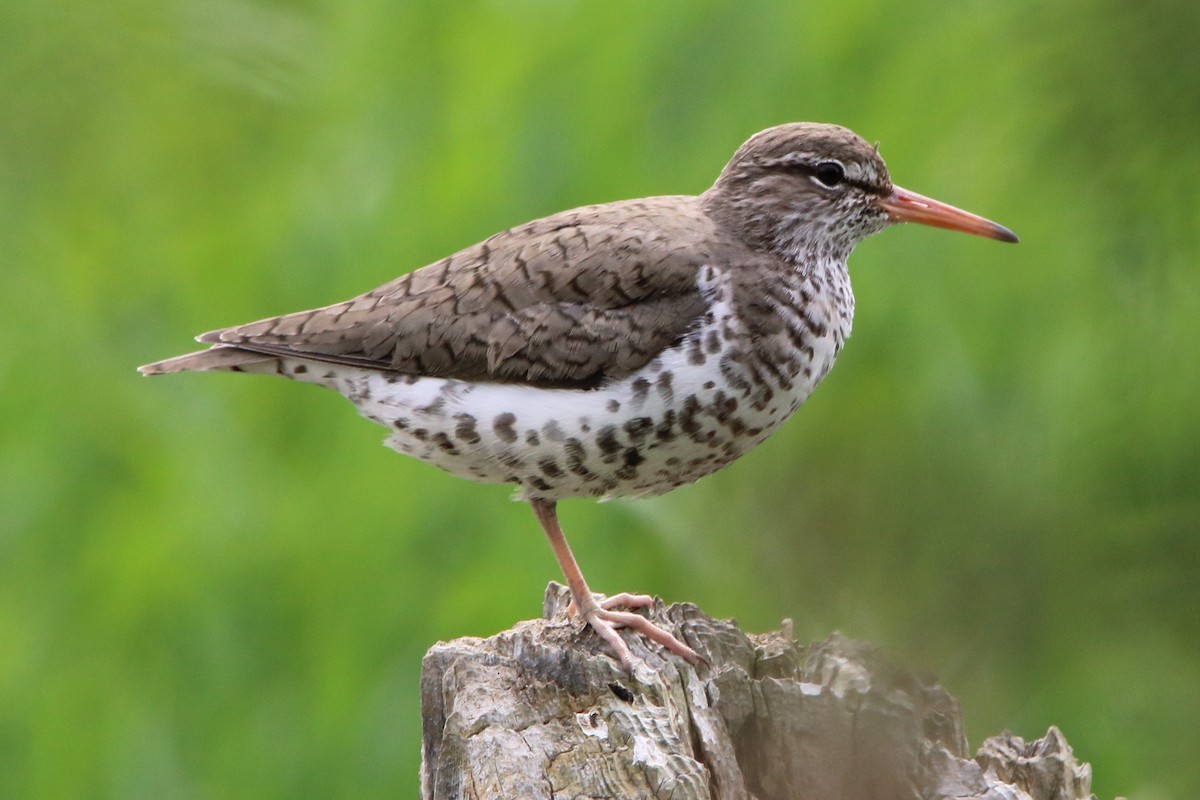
{"x": 830, "y": 173}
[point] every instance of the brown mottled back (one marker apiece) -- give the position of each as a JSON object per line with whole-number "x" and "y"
{"x": 570, "y": 299}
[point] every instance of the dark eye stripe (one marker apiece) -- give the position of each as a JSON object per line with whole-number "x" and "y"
{"x": 809, "y": 170}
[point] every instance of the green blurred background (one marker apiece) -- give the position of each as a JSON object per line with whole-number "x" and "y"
{"x": 222, "y": 586}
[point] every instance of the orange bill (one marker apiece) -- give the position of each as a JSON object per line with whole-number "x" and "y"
{"x": 905, "y": 206}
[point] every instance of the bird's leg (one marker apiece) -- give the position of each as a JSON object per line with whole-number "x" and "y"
{"x": 600, "y": 615}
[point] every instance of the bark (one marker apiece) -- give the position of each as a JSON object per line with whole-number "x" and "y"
{"x": 541, "y": 711}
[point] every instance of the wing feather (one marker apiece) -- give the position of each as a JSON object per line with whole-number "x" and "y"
{"x": 568, "y": 300}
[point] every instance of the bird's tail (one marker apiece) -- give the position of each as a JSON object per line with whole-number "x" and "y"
{"x": 217, "y": 358}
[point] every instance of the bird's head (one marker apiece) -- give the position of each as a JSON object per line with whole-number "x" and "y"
{"x": 806, "y": 189}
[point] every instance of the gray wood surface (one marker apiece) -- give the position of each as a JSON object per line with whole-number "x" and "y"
{"x": 541, "y": 711}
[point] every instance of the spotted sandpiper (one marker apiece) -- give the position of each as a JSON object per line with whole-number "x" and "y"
{"x": 615, "y": 350}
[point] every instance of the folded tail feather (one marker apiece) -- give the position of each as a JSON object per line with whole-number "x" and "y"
{"x": 214, "y": 359}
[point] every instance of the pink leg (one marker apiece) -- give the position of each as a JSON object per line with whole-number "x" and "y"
{"x": 600, "y": 615}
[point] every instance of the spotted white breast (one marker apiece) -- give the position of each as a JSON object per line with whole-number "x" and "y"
{"x": 698, "y": 406}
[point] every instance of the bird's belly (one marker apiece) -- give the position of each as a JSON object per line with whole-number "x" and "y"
{"x": 685, "y": 415}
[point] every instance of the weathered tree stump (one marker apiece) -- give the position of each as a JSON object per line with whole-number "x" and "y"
{"x": 541, "y": 711}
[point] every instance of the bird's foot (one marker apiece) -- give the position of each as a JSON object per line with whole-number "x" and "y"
{"x": 625, "y": 599}
{"x": 605, "y": 620}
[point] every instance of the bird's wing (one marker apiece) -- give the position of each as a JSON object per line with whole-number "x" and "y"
{"x": 569, "y": 300}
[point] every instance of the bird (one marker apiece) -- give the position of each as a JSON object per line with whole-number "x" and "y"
{"x": 615, "y": 350}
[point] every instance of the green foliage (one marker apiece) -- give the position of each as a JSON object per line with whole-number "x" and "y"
{"x": 221, "y": 586}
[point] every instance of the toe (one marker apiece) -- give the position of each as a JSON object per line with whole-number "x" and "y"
{"x": 651, "y": 631}
{"x": 627, "y": 600}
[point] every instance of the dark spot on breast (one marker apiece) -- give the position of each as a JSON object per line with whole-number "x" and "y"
{"x": 420, "y": 434}
{"x": 550, "y": 467}
{"x": 733, "y": 376}
{"x": 712, "y": 342}
{"x": 531, "y": 438}
{"x": 443, "y": 441}
{"x": 613, "y": 406}
{"x": 641, "y": 388}
{"x": 763, "y": 397}
{"x": 687, "y": 417}
{"x": 816, "y": 326}
{"x": 797, "y": 333}
{"x": 723, "y": 406}
{"x": 638, "y": 428}
{"x": 401, "y": 424}
{"x": 436, "y": 407}
{"x": 539, "y": 484}
{"x": 575, "y": 452}
{"x": 465, "y": 429}
{"x": 633, "y": 457}
{"x": 709, "y": 384}
{"x": 665, "y": 430}
{"x": 552, "y": 432}
{"x": 503, "y": 426}
{"x": 663, "y": 384}
{"x": 607, "y": 441}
